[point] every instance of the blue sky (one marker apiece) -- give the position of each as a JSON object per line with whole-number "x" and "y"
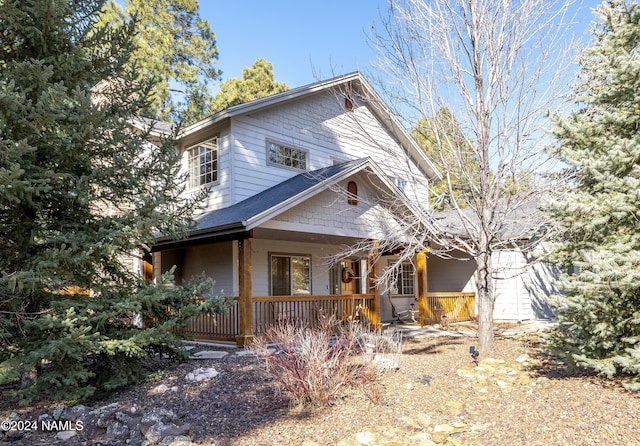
{"x": 304, "y": 40}
{"x": 296, "y": 36}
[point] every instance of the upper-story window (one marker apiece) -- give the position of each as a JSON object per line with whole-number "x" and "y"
{"x": 203, "y": 163}
{"x": 286, "y": 156}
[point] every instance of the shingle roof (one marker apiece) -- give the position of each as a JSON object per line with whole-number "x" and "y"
{"x": 237, "y": 218}
{"x": 522, "y": 222}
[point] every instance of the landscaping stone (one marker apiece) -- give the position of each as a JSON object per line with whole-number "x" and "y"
{"x": 162, "y": 388}
{"x": 201, "y": 374}
{"x": 209, "y": 354}
{"x": 386, "y": 362}
{"x": 66, "y": 435}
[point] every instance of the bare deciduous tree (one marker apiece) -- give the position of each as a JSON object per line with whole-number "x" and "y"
{"x": 498, "y": 66}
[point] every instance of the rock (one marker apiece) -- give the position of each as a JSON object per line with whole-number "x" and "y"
{"x": 13, "y": 435}
{"x": 423, "y": 419}
{"x": 180, "y": 440}
{"x": 409, "y": 424}
{"x": 386, "y": 362}
{"x": 455, "y": 407}
{"x": 74, "y": 413}
{"x": 249, "y": 352}
{"x": 421, "y": 439}
{"x": 66, "y": 435}
{"x": 159, "y": 390}
{"x": 209, "y": 354}
{"x": 502, "y": 384}
{"x": 132, "y": 423}
{"x": 117, "y": 431}
{"x": 58, "y": 411}
{"x": 201, "y": 374}
{"x": 159, "y": 431}
{"x": 348, "y": 442}
{"x": 366, "y": 437}
{"x": 154, "y": 416}
{"x": 105, "y": 414}
{"x": 439, "y": 437}
{"x": 446, "y": 428}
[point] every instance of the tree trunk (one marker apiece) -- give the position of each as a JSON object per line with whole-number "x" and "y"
{"x": 485, "y": 301}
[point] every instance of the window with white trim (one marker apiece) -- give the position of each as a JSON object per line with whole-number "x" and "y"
{"x": 290, "y": 275}
{"x": 403, "y": 279}
{"x": 203, "y": 163}
{"x": 283, "y": 155}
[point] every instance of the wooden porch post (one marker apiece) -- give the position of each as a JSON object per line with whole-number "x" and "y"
{"x": 421, "y": 260}
{"x": 374, "y": 272}
{"x": 245, "y": 305}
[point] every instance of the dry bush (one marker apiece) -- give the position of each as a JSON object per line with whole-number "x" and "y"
{"x": 314, "y": 366}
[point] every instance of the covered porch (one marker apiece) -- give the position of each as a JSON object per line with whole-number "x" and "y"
{"x": 352, "y": 298}
{"x": 271, "y": 253}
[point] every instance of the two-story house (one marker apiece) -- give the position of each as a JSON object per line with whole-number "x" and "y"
{"x": 294, "y": 180}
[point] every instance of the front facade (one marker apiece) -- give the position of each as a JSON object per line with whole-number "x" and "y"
{"x": 302, "y": 185}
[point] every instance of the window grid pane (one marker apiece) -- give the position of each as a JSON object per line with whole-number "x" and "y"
{"x": 407, "y": 279}
{"x": 287, "y": 156}
{"x": 203, "y": 164}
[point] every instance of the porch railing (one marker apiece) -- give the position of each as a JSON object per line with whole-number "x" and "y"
{"x": 450, "y": 307}
{"x": 268, "y": 310}
{"x": 215, "y": 327}
{"x": 305, "y": 310}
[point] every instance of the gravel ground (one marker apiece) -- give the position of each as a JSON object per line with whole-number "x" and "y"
{"x": 437, "y": 396}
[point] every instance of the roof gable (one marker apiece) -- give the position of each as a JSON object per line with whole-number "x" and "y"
{"x": 353, "y": 82}
{"x": 266, "y": 205}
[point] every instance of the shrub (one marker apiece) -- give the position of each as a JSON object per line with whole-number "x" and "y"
{"x": 313, "y": 367}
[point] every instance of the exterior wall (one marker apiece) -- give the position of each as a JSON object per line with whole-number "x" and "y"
{"x": 220, "y": 193}
{"x": 329, "y": 213}
{"x": 522, "y": 287}
{"x": 513, "y": 302}
{"x": 320, "y": 126}
{"x": 214, "y": 260}
{"x": 539, "y": 283}
{"x": 444, "y": 275}
{"x": 320, "y": 277}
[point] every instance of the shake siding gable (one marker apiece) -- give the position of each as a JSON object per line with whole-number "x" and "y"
{"x": 329, "y": 213}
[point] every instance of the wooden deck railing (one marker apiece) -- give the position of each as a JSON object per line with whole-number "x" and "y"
{"x": 450, "y": 307}
{"x": 269, "y": 310}
{"x": 220, "y": 327}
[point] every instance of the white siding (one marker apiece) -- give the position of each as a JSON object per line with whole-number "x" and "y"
{"x": 329, "y": 213}
{"x": 320, "y": 126}
{"x": 260, "y": 250}
{"x": 521, "y": 288}
{"x": 513, "y": 302}
{"x": 220, "y": 194}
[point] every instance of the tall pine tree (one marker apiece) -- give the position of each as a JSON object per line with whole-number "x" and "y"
{"x": 79, "y": 191}
{"x": 597, "y": 218}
